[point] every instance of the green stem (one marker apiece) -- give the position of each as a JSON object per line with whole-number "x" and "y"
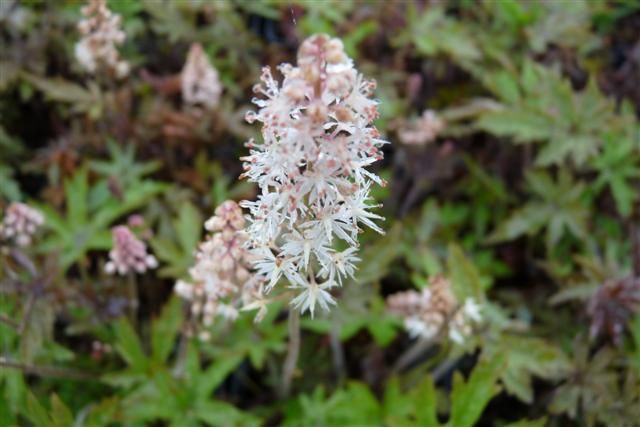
{"x": 293, "y": 351}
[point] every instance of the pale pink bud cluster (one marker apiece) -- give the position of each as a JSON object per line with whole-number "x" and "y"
{"x": 128, "y": 254}
{"x": 435, "y": 311}
{"x": 311, "y": 170}
{"x": 20, "y": 223}
{"x": 220, "y": 279}
{"x": 101, "y": 33}
{"x": 199, "y": 79}
{"x": 422, "y": 131}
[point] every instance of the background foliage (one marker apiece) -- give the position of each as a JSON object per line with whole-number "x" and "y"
{"x": 528, "y": 201}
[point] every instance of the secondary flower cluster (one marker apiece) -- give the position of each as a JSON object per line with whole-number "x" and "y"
{"x": 435, "y": 310}
{"x": 220, "y": 278}
{"x": 199, "y": 79}
{"x": 612, "y": 305}
{"x": 101, "y": 33}
{"x": 128, "y": 254}
{"x": 422, "y": 131}
{"x": 20, "y": 223}
{"x": 311, "y": 170}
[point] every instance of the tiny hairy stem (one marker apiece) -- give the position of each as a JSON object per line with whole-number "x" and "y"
{"x": 443, "y": 368}
{"x": 48, "y": 371}
{"x": 132, "y": 296}
{"x": 28, "y": 311}
{"x": 413, "y": 353}
{"x": 293, "y": 351}
{"x": 337, "y": 352}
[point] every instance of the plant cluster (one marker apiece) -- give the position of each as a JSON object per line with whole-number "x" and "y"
{"x": 435, "y": 220}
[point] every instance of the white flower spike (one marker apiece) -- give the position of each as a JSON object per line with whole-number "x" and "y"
{"x": 318, "y": 138}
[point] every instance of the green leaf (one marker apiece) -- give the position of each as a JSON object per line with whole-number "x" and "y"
{"x": 558, "y": 206}
{"x": 521, "y": 125}
{"x": 189, "y": 226}
{"x": 60, "y": 413}
{"x": 580, "y": 148}
{"x": 453, "y": 38}
{"x": 178, "y": 254}
{"x": 122, "y": 165}
{"x": 544, "y": 108}
{"x": 221, "y": 414}
{"x": 35, "y": 412}
{"x": 216, "y": 373}
{"x": 426, "y": 403}
{"x": 526, "y": 357}
{"x": 9, "y": 188}
{"x": 358, "y": 406}
{"x": 164, "y": 329}
{"x": 58, "y": 89}
{"x": 465, "y": 277}
{"x": 359, "y": 33}
{"x": 129, "y": 347}
{"x": 468, "y": 400}
{"x": 76, "y": 190}
{"x": 395, "y": 404}
{"x": 103, "y": 414}
{"x": 527, "y": 220}
{"x": 85, "y": 225}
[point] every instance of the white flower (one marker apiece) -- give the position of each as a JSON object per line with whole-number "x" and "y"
{"x": 435, "y": 310}
{"x": 297, "y": 246}
{"x": 314, "y": 294}
{"x": 417, "y": 327}
{"x": 457, "y": 335}
{"x": 343, "y": 263}
{"x": 318, "y": 141}
{"x": 199, "y": 79}
{"x": 101, "y": 33}
{"x": 129, "y": 254}
{"x": 422, "y": 131}
{"x": 220, "y": 279}
{"x": 472, "y": 310}
{"x": 20, "y": 223}
{"x": 85, "y": 56}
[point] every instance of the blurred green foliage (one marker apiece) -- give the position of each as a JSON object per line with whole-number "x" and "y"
{"x": 528, "y": 201}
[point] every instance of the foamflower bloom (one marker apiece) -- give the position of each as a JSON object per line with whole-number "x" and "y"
{"x": 20, "y": 224}
{"x": 312, "y": 171}
{"x": 101, "y": 34}
{"x": 199, "y": 79}
{"x": 128, "y": 254}
{"x": 435, "y": 311}
{"x": 423, "y": 130}
{"x": 221, "y": 283}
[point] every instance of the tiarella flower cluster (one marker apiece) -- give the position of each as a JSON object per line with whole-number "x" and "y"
{"x": 20, "y": 223}
{"x": 199, "y": 79}
{"x": 311, "y": 170}
{"x": 128, "y": 254}
{"x": 220, "y": 279}
{"x": 423, "y": 131}
{"x": 435, "y": 311}
{"x": 101, "y": 33}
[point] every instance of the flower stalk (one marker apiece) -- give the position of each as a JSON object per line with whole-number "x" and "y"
{"x": 293, "y": 351}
